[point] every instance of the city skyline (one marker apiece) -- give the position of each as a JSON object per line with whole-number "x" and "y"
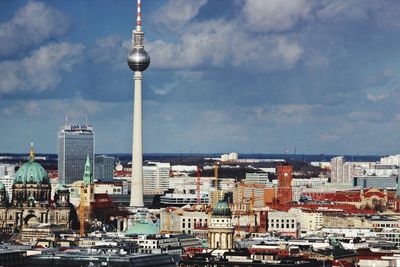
{"x": 321, "y": 76}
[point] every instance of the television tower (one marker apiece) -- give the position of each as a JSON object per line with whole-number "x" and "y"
{"x": 138, "y": 61}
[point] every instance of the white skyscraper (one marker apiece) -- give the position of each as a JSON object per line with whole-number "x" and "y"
{"x": 156, "y": 178}
{"x": 138, "y": 61}
{"x": 75, "y": 143}
{"x": 337, "y": 169}
{"x": 7, "y": 176}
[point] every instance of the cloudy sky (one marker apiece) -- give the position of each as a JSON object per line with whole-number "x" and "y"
{"x": 225, "y": 75}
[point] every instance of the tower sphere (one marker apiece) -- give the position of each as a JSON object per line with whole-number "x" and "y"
{"x": 138, "y": 59}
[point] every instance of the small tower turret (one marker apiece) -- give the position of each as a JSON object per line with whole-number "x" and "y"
{"x": 87, "y": 175}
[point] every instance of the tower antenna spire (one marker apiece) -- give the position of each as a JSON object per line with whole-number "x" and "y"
{"x": 138, "y": 19}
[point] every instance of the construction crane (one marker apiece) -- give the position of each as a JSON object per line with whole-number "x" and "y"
{"x": 168, "y": 221}
{"x": 252, "y": 200}
{"x": 198, "y": 184}
{"x": 215, "y": 200}
{"x": 242, "y": 195}
{"x": 251, "y": 215}
{"x": 82, "y": 212}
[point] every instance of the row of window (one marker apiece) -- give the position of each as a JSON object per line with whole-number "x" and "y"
{"x": 281, "y": 220}
{"x": 282, "y": 226}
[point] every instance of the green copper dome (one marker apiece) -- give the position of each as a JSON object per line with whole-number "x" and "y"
{"x": 143, "y": 228}
{"x": 221, "y": 209}
{"x": 31, "y": 172}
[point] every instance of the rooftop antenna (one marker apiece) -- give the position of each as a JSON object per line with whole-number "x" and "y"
{"x": 138, "y": 19}
{"x": 286, "y": 151}
{"x": 294, "y": 154}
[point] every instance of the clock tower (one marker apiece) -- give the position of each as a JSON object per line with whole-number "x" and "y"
{"x": 284, "y": 183}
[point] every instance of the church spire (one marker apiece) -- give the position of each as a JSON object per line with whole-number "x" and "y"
{"x": 87, "y": 175}
{"x": 31, "y": 153}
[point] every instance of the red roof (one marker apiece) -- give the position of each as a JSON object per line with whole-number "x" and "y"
{"x": 325, "y": 208}
{"x": 122, "y": 173}
{"x": 339, "y": 196}
{"x": 103, "y": 201}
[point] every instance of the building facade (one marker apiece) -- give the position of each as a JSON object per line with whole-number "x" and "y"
{"x": 155, "y": 178}
{"x": 31, "y": 201}
{"x": 220, "y": 229}
{"x": 75, "y": 143}
{"x": 284, "y": 223}
{"x": 337, "y": 169}
{"x": 284, "y": 184}
{"x": 104, "y": 168}
{"x": 7, "y": 175}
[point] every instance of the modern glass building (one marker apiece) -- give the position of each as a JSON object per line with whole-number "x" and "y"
{"x": 380, "y": 182}
{"x": 104, "y": 169}
{"x": 75, "y": 143}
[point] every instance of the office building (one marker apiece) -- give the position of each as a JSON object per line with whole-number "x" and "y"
{"x": 257, "y": 178}
{"x": 7, "y": 175}
{"x": 75, "y": 143}
{"x": 380, "y": 182}
{"x": 337, "y": 169}
{"x": 156, "y": 178}
{"x": 104, "y": 168}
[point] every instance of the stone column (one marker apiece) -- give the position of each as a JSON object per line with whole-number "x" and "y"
{"x": 125, "y": 224}
{"x": 223, "y": 241}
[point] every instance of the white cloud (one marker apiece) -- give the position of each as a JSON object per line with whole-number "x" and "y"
{"x": 295, "y": 109}
{"x": 166, "y": 88}
{"x": 75, "y": 108}
{"x": 40, "y": 70}
{"x": 111, "y": 50}
{"x": 375, "y": 98}
{"x": 32, "y": 25}
{"x": 178, "y": 12}
{"x": 274, "y": 15}
{"x": 219, "y": 43}
{"x": 337, "y": 133}
{"x": 345, "y": 11}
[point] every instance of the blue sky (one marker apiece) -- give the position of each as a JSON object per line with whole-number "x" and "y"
{"x": 225, "y": 75}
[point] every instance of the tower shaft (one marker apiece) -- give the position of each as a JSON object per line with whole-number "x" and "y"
{"x": 137, "y": 148}
{"x": 138, "y": 61}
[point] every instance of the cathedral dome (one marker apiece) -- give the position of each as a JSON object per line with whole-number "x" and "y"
{"x": 31, "y": 172}
{"x": 221, "y": 209}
